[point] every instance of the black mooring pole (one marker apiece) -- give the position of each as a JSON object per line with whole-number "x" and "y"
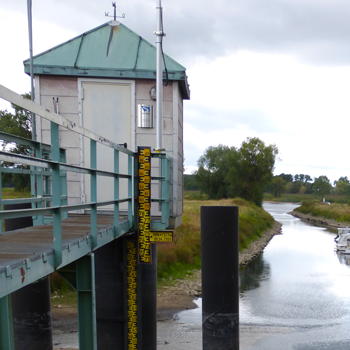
{"x": 149, "y": 302}
{"x": 220, "y": 284}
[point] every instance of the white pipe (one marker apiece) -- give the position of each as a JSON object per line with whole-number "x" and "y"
{"x": 159, "y": 76}
{"x": 29, "y": 10}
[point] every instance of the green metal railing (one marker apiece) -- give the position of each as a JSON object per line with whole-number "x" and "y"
{"x": 48, "y": 165}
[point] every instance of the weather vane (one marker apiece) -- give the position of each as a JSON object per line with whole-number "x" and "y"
{"x": 115, "y": 12}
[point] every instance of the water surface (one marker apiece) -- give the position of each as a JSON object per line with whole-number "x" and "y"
{"x": 296, "y": 295}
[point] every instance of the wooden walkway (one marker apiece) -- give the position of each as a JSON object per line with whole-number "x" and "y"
{"x": 21, "y": 249}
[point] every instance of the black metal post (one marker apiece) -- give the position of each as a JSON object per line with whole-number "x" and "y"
{"x": 220, "y": 279}
{"x": 149, "y": 302}
{"x": 110, "y": 303}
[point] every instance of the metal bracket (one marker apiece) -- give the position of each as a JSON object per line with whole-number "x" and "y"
{"x": 8, "y": 271}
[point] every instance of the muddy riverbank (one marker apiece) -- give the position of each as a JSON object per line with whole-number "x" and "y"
{"x": 319, "y": 220}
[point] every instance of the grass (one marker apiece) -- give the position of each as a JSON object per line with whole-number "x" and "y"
{"x": 9, "y": 193}
{"x": 178, "y": 259}
{"x": 61, "y": 292}
{"x": 298, "y": 198}
{"x": 336, "y": 211}
{"x": 195, "y": 195}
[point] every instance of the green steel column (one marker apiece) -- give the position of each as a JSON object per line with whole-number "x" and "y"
{"x": 64, "y": 215}
{"x": 38, "y": 182}
{"x": 116, "y": 194}
{"x": 56, "y": 194}
{"x": 0, "y": 200}
{"x": 163, "y": 188}
{"x": 93, "y": 193}
{"x": 130, "y": 179}
{"x": 85, "y": 268}
{"x": 136, "y": 190}
{"x": 6, "y": 324}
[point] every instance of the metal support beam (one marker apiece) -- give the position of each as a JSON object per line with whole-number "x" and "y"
{"x": 56, "y": 194}
{"x": 93, "y": 193}
{"x": 116, "y": 194}
{"x": 130, "y": 191}
{"x": 0, "y": 199}
{"x": 6, "y": 324}
{"x": 85, "y": 269}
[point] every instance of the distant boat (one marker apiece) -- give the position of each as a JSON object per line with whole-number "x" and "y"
{"x": 341, "y": 241}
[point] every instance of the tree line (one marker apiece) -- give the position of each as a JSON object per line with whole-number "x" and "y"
{"x": 247, "y": 172}
{"x": 300, "y": 183}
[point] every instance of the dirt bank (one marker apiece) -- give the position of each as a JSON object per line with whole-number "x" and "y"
{"x": 319, "y": 220}
{"x": 171, "y": 300}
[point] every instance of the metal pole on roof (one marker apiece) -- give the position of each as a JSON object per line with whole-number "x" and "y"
{"x": 159, "y": 75}
{"x": 29, "y": 11}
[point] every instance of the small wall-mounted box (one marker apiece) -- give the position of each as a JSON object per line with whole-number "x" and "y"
{"x": 145, "y": 116}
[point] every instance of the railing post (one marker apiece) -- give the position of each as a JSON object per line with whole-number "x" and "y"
{"x": 85, "y": 269}
{"x": 130, "y": 191}
{"x": 56, "y": 194}
{"x": 6, "y": 324}
{"x": 0, "y": 199}
{"x": 64, "y": 184}
{"x": 37, "y": 182}
{"x": 93, "y": 192}
{"x": 116, "y": 194}
{"x": 136, "y": 190}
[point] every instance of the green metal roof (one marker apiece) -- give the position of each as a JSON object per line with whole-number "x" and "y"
{"x": 108, "y": 52}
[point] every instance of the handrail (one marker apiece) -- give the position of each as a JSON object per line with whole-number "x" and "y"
{"x": 56, "y": 169}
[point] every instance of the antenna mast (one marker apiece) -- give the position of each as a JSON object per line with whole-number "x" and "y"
{"x": 159, "y": 74}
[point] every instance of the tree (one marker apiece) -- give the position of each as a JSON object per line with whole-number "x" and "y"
{"x": 278, "y": 186}
{"x": 342, "y": 185}
{"x": 322, "y": 186}
{"x": 212, "y": 170}
{"x": 286, "y": 177}
{"x": 18, "y": 124}
{"x": 190, "y": 183}
{"x": 227, "y": 172}
{"x": 256, "y": 165}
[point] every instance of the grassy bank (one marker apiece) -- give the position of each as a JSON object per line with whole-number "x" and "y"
{"x": 336, "y": 211}
{"x": 178, "y": 259}
{"x": 9, "y": 193}
{"x": 298, "y": 198}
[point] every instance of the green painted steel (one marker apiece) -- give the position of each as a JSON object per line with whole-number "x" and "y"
{"x": 85, "y": 275}
{"x": 93, "y": 192}
{"x": 130, "y": 208}
{"x": 6, "y": 328}
{"x": 56, "y": 194}
{"x": 116, "y": 193}
{"x": 105, "y": 51}
{"x": 0, "y": 200}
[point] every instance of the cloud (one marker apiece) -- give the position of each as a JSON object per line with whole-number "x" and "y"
{"x": 314, "y": 31}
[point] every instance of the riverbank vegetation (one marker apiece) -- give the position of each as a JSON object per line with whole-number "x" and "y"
{"x": 335, "y": 211}
{"x": 180, "y": 258}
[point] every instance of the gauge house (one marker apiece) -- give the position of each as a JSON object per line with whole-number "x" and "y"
{"x": 104, "y": 81}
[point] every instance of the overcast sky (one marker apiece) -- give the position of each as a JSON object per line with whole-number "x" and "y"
{"x": 275, "y": 69}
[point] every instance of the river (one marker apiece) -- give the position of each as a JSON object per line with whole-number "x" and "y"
{"x": 296, "y": 294}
